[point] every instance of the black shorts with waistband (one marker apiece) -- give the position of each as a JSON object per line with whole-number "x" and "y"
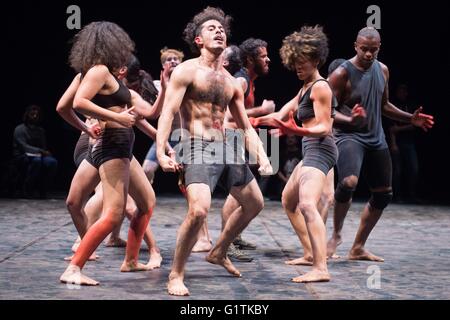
{"x": 115, "y": 143}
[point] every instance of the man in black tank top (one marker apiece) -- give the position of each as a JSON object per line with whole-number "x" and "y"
{"x": 362, "y": 83}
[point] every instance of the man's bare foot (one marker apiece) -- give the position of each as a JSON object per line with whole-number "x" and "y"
{"x": 73, "y": 275}
{"x": 224, "y": 262}
{"x": 332, "y": 245}
{"x": 93, "y": 257}
{"x": 202, "y": 245}
{"x": 362, "y": 254}
{"x": 133, "y": 266}
{"x": 116, "y": 243}
{"x": 334, "y": 257}
{"x": 176, "y": 287}
{"x": 303, "y": 261}
{"x": 313, "y": 276}
{"x": 76, "y": 244}
{"x": 155, "y": 260}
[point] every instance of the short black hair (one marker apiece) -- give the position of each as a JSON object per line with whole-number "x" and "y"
{"x": 369, "y": 32}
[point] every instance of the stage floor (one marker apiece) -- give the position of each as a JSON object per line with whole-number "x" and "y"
{"x": 35, "y": 236}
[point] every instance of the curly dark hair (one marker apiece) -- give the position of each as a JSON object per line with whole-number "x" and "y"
{"x": 193, "y": 28}
{"x": 100, "y": 42}
{"x": 141, "y": 81}
{"x": 310, "y": 43}
{"x": 249, "y": 49}
{"x": 233, "y": 56}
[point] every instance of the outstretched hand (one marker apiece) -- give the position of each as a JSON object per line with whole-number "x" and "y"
{"x": 422, "y": 120}
{"x": 290, "y": 127}
{"x": 265, "y": 121}
{"x": 254, "y": 122}
{"x": 268, "y": 106}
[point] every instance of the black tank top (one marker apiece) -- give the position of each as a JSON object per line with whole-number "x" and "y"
{"x": 305, "y": 109}
{"x": 119, "y": 98}
{"x": 243, "y": 74}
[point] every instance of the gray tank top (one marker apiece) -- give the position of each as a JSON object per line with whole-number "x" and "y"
{"x": 367, "y": 89}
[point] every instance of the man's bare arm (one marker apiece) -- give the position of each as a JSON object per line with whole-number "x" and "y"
{"x": 179, "y": 82}
{"x": 338, "y": 81}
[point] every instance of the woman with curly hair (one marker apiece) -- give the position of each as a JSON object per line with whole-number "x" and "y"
{"x": 305, "y": 52}
{"x": 99, "y": 51}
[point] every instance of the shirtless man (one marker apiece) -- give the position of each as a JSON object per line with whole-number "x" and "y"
{"x": 201, "y": 89}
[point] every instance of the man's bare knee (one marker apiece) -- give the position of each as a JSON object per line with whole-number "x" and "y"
{"x": 198, "y": 214}
{"x": 257, "y": 203}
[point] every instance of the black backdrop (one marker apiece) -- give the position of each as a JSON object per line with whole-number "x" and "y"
{"x": 414, "y": 46}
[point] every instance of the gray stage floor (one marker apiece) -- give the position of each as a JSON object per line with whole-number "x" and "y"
{"x": 35, "y": 236}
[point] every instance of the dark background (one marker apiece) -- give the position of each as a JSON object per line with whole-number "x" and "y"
{"x": 414, "y": 46}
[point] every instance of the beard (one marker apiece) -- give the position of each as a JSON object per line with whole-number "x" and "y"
{"x": 259, "y": 70}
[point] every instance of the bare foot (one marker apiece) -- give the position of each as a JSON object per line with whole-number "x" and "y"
{"x": 332, "y": 245}
{"x": 133, "y": 266}
{"x": 202, "y": 245}
{"x": 76, "y": 244}
{"x": 155, "y": 260}
{"x": 73, "y": 275}
{"x": 116, "y": 243}
{"x": 303, "y": 261}
{"x": 334, "y": 257}
{"x": 176, "y": 287}
{"x": 313, "y": 276}
{"x": 93, "y": 257}
{"x": 362, "y": 254}
{"x": 224, "y": 262}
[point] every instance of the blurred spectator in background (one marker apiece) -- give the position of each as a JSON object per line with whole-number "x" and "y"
{"x": 32, "y": 156}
